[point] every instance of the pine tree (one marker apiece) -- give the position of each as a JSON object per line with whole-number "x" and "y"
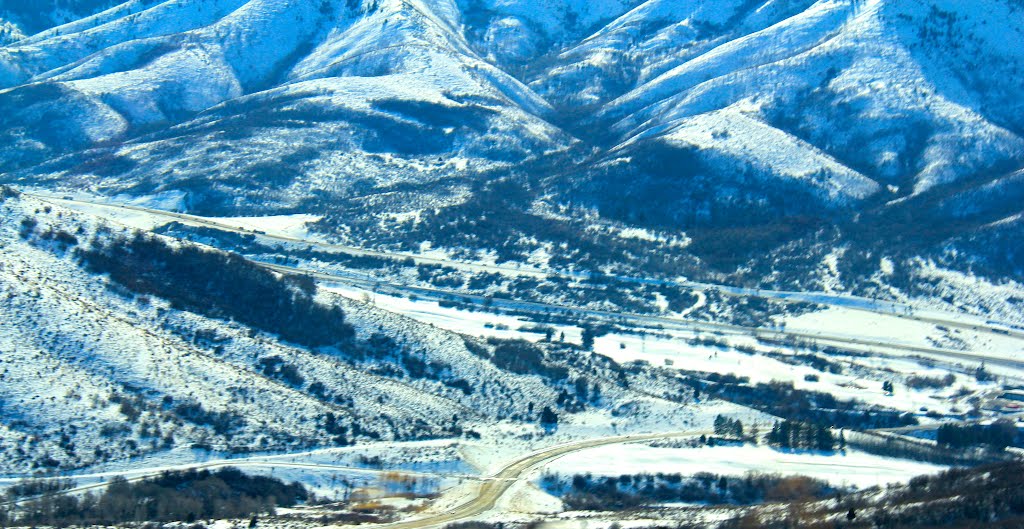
{"x": 774, "y": 436}
{"x": 587, "y": 339}
{"x": 548, "y": 417}
{"x": 720, "y": 425}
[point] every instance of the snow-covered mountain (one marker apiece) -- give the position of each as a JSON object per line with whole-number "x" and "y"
{"x": 771, "y": 119}
{"x": 857, "y": 99}
{"x": 285, "y": 97}
{"x": 874, "y": 146}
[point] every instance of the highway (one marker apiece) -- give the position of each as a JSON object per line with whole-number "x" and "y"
{"x": 836, "y": 339}
{"x": 650, "y": 321}
{"x": 1015, "y": 417}
{"x": 836, "y": 300}
{"x": 142, "y": 474}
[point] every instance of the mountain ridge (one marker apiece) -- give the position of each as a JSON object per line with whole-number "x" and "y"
{"x": 653, "y": 114}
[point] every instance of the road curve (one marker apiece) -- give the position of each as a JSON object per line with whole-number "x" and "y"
{"x": 491, "y": 490}
{"x": 495, "y": 486}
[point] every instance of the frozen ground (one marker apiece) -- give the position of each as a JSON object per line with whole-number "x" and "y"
{"x": 288, "y": 226}
{"x": 851, "y": 468}
{"x": 861, "y": 378}
{"x": 281, "y": 225}
{"x": 475, "y": 323}
{"x": 886, "y": 327}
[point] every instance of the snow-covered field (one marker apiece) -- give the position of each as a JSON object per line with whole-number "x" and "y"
{"x": 895, "y": 329}
{"x": 851, "y": 468}
{"x": 288, "y": 226}
{"x": 471, "y": 323}
{"x": 861, "y": 379}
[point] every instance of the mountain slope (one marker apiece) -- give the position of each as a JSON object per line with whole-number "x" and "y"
{"x": 116, "y": 344}
{"x": 18, "y": 19}
{"x": 746, "y": 126}
{"x": 94, "y": 371}
{"x": 340, "y": 91}
{"x": 888, "y": 88}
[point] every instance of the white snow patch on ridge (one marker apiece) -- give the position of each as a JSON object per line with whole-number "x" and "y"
{"x": 742, "y": 137}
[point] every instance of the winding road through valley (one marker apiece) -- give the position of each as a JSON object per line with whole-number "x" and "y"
{"x": 487, "y": 495}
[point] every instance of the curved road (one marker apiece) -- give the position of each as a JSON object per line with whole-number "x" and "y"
{"x": 491, "y": 490}
{"x": 494, "y": 487}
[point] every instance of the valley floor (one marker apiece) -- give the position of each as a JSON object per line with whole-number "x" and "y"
{"x": 844, "y": 347}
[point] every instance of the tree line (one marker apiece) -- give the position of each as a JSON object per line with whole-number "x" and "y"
{"x": 220, "y": 285}
{"x": 795, "y": 434}
{"x": 996, "y": 436}
{"x": 588, "y": 492}
{"x": 172, "y": 496}
{"x": 989, "y": 496}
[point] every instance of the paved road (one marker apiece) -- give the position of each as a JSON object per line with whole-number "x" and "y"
{"x": 846, "y": 301}
{"x": 643, "y": 320}
{"x": 935, "y": 426}
{"x": 141, "y": 474}
{"x": 492, "y": 487}
{"x": 497, "y": 485}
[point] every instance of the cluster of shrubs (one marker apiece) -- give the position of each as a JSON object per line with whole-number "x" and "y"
{"x": 985, "y": 496}
{"x": 172, "y": 496}
{"x": 28, "y": 488}
{"x": 783, "y": 400}
{"x": 276, "y": 367}
{"x": 989, "y": 496}
{"x": 812, "y": 360}
{"x": 903, "y": 448}
{"x": 222, "y": 422}
{"x": 996, "y": 436}
{"x": 520, "y": 356}
{"x": 587, "y": 492}
{"x": 923, "y": 382}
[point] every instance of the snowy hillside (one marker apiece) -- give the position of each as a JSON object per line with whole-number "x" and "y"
{"x": 853, "y": 77}
{"x": 94, "y": 372}
{"x": 340, "y": 91}
{"x": 19, "y": 19}
{"x": 744, "y": 126}
{"x": 99, "y": 364}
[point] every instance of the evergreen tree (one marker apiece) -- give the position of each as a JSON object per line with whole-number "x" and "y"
{"x": 548, "y": 418}
{"x": 587, "y": 339}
